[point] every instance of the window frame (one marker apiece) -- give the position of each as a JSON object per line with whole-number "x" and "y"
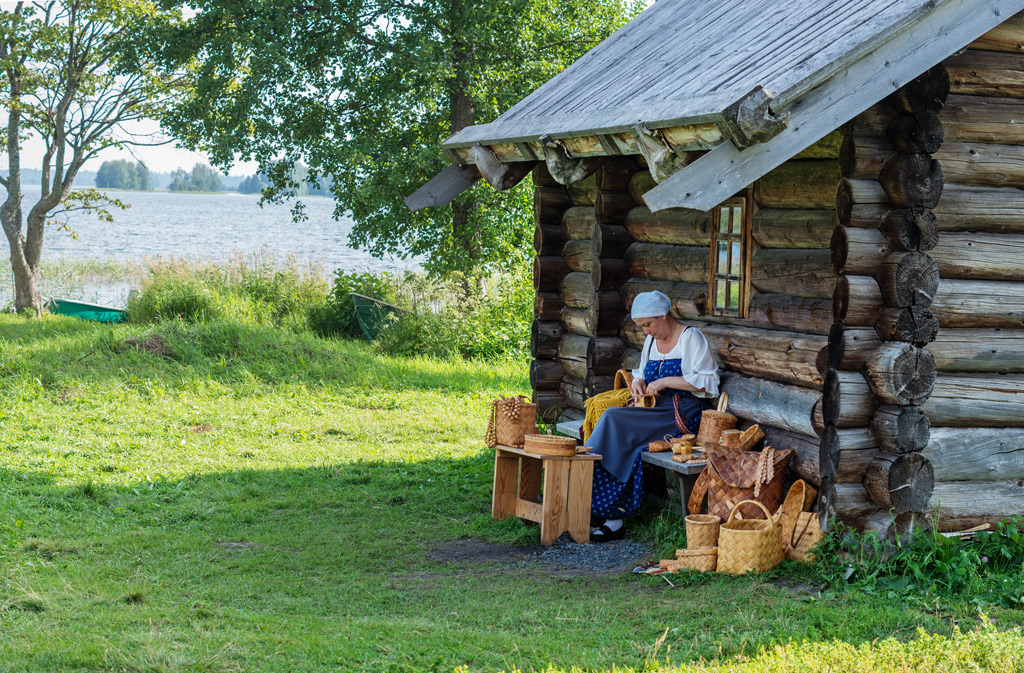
{"x": 744, "y": 238}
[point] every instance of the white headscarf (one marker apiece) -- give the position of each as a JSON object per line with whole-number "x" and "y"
{"x": 652, "y": 304}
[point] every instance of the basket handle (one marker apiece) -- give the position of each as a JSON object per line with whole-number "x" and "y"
{"x": 723, "y": 401}
{"x": 623, "y": 379}
{"x": 767, "y": 514}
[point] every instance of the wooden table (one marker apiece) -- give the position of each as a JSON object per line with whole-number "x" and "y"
{"x": 687, "y": 473}
{"x": 567, "y": 485}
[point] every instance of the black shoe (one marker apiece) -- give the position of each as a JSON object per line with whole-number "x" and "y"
{"x": 596, "y": 520}
{"x": 606, "y": 534}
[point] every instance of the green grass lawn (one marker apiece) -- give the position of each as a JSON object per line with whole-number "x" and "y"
{"x": 257, "y": 500}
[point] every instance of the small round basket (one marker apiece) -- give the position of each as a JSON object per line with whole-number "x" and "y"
{"x": 703, "y": 559}
{"x": 550, "y": 445}
{"x": 659, "y": 445}
{"x": 712, "y": 423}
{"x": 702, "y": 530}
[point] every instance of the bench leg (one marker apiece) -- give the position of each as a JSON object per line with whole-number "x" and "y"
{"x": 506, "y": 473}
{"x": 581, "y": 486}
{"x": 686, "y": 484}
{"x": 556, "y": 490}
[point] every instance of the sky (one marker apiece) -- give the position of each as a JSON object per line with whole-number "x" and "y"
{"x": 159, "y": 159}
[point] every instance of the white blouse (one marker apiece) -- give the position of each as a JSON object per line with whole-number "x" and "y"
{"x": 697, "y": 363}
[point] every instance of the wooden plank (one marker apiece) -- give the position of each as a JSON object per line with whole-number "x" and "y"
{"x": 997, "y": 351}
{"x": 556, "y": 493}
{"x": 964, "y": 504}
{"x": 442, "y": 189}
{"x": 976, "y": 454}
{"x": 725, "y": 170}
{"x": 506, "y": 468}
{"x": 976, "y": 400}
{"x": 529, "y": 511}
{"x": 581, "y": 486}
{"x": 759, "y": 401}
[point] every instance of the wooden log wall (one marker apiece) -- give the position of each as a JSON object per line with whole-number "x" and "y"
{"x": 941, "y": 184}
{"x": 871, "y": 461}
{"x": 581, "y": 242}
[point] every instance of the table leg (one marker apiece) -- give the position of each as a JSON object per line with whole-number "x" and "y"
{"x": 506, "y": 473}
{"x": 581, "y": 485}
{"x": 529, "y": 479}
{"x": 556, "y": 490}
{"x": 686, "y": 484}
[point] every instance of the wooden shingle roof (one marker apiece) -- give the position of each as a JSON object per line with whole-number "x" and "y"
{"x": 685, "y": 61}
{"x": 753, "y": 81}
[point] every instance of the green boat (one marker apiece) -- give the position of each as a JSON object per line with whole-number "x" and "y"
{"x": 372, "y": 313}
{"x": 86, "y": 311}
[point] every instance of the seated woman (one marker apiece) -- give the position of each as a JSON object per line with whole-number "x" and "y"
{"x": 677, "y": 367}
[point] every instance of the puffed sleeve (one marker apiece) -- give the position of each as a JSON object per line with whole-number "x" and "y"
{"x": 644, "y": 353}
{"x": 698, "y": 364}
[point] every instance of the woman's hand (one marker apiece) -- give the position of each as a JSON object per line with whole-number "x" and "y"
{"x": 655, "y": 387}
{"x": 638, "y": 388}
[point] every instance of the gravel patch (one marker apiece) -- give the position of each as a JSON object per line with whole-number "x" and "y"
{"x": 620, "y": 555}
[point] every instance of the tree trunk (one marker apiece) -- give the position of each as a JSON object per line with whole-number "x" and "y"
{"x": 926, "y": 92}
{"x": 544, "y": 339}
{"x": 573, "y": 394}
{"x": 799, "y": 184}
{"x": 976, "y": 400}
{"x": 612, "y": 207}
{"x": 576, "y": 321}
{"x": 900, "y": 429}
{"x": 979, "y": 303}
{"x": 785, "y": 357}
{"x": 803, "y": 273}
{"x": 982, "y": 164}
{"x": 578, "y": 223}
{"x": 608, "y": 274}
{"x": 577, "y": 290}
{"x": 847, "y": 400}
{"x": 1007, "y": 36}
{"x": 572, "y": 354}
{"x": 912, "y": 180}
{"x": 914, "y": 324}
{"x": 918, "y": 133}
{"x": 606, "y": 314}
{"x": 862, "y": 203}
{"x": 908, "y": 279}
{"x": 548, "y": 272}
{"x": 982, "y": 119}
{"x": 857, "y": 301}
{"x": 987, "y": 209}
{"x": 903, "y": 483}
{"x": 584, "y": 192}
{"x": 862, "y": 157}
{"x": 976, "y": 454}
{"x": 578, "y": 255}
{"x": 610, "y": 240}
{"x": 786, "y": 407}
{"x": 980, "y": 256}
{"x": 782, "y": 228}
{"x": 604, "y": 355}
{"x": 965, "y": 504}
{"x": 914, "y": 230}
{"x": 548, "y": 239}
{"x": 836, "y": 442}
{"x": 849, "y": 348}
{"x": 545, "y": 374}
{"x": 858, "y": 251}
{"x": 677, "y": 226}
{"x": 689, "y": 300}
{"x": 901, "y": 374}
{"x": 805, "y": 451}
{"x": 641, "y": 183}
{"x": 986, "y": 73}
{"x": 547, "y": 306}
{"x": 995, "y": 351}
{"x": 657, "y": 261}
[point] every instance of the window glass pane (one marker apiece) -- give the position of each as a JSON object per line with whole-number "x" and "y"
{"x": 723, "y": 220}
{"x": 734, "y": 295}
{"x": 737, "y": 219}
{"x": 723, "y": 257}
{"x": 734, "y": 266}
{"x": 721, "y": 291}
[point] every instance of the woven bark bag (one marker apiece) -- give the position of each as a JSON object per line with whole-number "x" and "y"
{"x": 512, "y": 418}
{"x": 749, "y": 545}
{"x": 733, "y": 476}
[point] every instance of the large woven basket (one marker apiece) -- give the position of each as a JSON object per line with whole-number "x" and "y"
{"x": 511, "y": 430}
{"x": 799, "y": 499}
{"x": 702, "y": 530}
{"x": 749, "y": 545}
{"x": 806, "y": 533}
{"x": 713, "y": 422}
{"x": 703, "y": 559}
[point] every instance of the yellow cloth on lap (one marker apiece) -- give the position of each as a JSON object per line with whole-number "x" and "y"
{"x": 596, "y": 405}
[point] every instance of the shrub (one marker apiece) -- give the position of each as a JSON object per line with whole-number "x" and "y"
{"x": 337, "y": 315}
{"x": 989, "y": 569}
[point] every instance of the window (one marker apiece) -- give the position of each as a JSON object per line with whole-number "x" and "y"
{"x": 730, "y": 263}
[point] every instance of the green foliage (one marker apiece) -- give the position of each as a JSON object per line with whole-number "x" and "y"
{"x": 989, "y": 570}
{"x": 366, "y": 96}
{"x": 201, "y": 179}
{"x": 122, "y": 174}
{"x": 73, "y": 77}
{"x": 444, "y": 320}
{"x": 259, "y": 291}
{"x": 338, "y": 316}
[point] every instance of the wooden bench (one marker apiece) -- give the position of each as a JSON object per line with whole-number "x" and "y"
{"x": 568, "y": 482}
{"x": 686, "y": 473}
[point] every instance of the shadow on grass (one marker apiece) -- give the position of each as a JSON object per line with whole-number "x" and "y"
{"x": 54, "y": 349}
{"x": 339, "y": 562}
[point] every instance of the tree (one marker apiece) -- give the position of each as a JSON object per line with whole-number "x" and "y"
{"x": 201, "y": 179}
{"x": 122, "y": 174}
{"x": 363, "y": 91}
{"x": 73, "y": 75}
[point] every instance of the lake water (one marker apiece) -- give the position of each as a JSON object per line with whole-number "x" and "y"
{"x": 203, "y": 227}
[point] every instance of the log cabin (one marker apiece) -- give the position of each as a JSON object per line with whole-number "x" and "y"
{"x": 834, "y": 197}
